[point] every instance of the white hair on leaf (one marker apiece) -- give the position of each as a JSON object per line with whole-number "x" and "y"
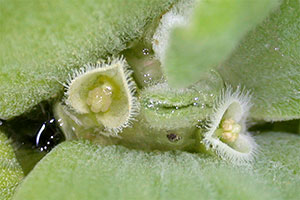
{"x": 178, "y": 16}
{"x": 234, "y": 106}
{"x": 114, "y": 111}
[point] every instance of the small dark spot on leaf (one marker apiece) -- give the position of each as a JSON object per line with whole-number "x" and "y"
{"x": 173, "y": 137}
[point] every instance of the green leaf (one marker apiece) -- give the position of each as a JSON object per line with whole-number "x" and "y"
{"x": 10, "y": 170}
{"x": 41, "y": 41}
{"x": 216, "y": 28}
{"x": 279, "y": 161}
{"x": 81, "y": 170}
{"x": 268, "y": 63}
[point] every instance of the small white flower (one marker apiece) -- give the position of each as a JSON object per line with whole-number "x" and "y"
{"x": 105, "y": 93}
{"x": 227, "y": 134}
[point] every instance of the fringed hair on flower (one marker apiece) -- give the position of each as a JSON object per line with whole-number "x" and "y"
{"x": 106, "y": 91}
{"x": 227, "y": 134}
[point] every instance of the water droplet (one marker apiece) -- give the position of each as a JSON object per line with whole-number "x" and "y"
{"x": 150, "y": 105}
{"x": 146, "y": 51}
{"x": 276, "y": 48}
{"x": 48, "y": 135}
{"x": 147, "y": 69}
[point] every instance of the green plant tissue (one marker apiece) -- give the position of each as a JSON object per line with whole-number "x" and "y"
{"x": 279, "y": 162}
{"x": 215, "y": 30}
{"x": 267, "y": 62}
{"x": 10, "y": 170}
{"x": 81, "y": 170}
{"x": 42, "y": 40}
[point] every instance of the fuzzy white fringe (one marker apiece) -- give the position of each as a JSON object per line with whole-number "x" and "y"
{"x": 240, "y": 102}
{"x": 128, "y": 83}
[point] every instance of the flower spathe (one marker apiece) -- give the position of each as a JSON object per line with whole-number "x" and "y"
{"x": 105, "y": 93}
{"x": 227, "y": 134}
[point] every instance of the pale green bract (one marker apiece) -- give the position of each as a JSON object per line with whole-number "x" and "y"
{"x": 104, "y": 93}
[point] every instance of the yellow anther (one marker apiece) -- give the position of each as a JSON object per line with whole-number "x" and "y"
{"x": 229, "y": 137}
{"x": 227, "y": 124}
{"x": 100, "y": 98}
{"x": 229, "y": 131}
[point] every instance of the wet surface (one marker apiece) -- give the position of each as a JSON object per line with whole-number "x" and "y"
{"x": 33, "y": 134}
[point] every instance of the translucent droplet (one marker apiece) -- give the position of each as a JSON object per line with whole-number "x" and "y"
{"x": 150, "y": 105}
{"x": 146, "y": 68}
{"x": 146, "y": 51}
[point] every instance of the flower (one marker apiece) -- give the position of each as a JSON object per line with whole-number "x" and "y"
{"x": 226, "y": 133}
{"x": 104, "y": 93}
